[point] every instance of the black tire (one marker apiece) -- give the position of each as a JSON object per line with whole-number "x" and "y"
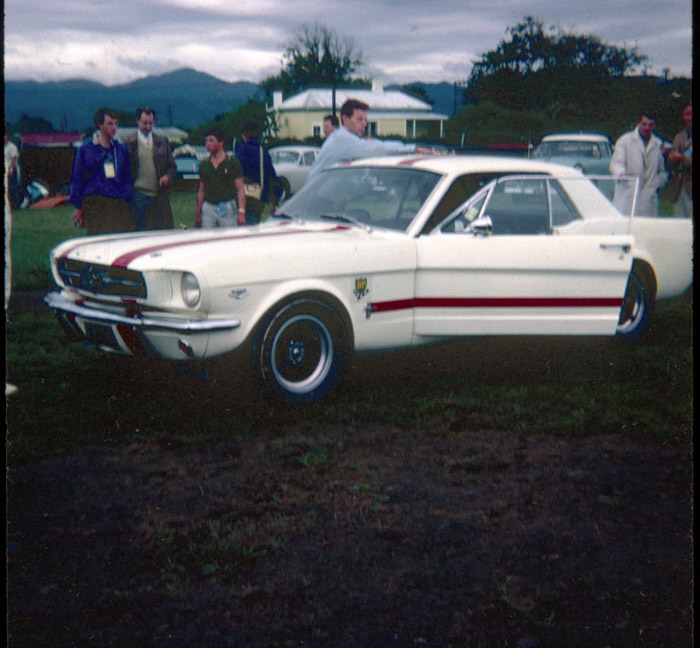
{"x": 300, "y": 351}
{"x": 638, "y": 305}
{"x": 285, "y": 190}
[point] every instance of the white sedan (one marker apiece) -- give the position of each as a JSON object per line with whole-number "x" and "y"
{"x": 292, "y": 165}
{"x": 588, "y": 152}
{"x": 378, "y": 254}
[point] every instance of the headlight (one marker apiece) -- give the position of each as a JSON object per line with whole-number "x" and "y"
{"x": 189, "y": 288}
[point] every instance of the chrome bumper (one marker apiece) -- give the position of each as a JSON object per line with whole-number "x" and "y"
{"x": 57, "y": 302}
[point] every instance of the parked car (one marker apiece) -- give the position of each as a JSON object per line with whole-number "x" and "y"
{"x": 187, "y": 161}
{"x": 292, "y": 164}
{"x": 378, "y": 254}
{"x": 586, "y": 152}
{"x": 187, "y": 167}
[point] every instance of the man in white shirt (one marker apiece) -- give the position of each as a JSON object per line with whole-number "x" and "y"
{"x": 347, "y": 142}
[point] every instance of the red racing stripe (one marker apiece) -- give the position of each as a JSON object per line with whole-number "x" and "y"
{"x": 497, "y": 302}
{"x": 125, "y": 259}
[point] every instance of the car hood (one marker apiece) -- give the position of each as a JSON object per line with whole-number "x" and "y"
{"x": 185, "y": 249}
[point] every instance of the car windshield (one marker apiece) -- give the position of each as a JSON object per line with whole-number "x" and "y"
{"x": 388, "y": 197}
{"x": 568, "y": 148}
{"x": 284, "y": 157}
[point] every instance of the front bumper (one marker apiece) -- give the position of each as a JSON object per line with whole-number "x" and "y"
{"x": 159, "y": 336}
{"x": 59, "y": 304}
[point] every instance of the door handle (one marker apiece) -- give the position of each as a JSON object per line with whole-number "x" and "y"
{"x": 625, "y": 247}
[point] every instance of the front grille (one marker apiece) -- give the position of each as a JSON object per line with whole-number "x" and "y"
{"x": 101, "y": 279}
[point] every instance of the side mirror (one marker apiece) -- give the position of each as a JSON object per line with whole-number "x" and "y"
{"x": 481, "y": 226}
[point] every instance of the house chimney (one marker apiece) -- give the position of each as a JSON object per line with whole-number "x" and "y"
{"x": 377, "y": 86}
{"x": 276, "y": 99}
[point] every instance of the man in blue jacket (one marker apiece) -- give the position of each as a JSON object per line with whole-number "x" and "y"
{"x": 100, "y": 184}
{"x": 248, "y": 153}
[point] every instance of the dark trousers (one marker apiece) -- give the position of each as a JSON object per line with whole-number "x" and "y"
{"x": 139, "y": 206}
{"x": 106, "y": 215}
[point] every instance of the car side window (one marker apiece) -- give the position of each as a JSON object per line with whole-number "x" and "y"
{"x": 465, "y": 215}
{"x": 309, "y": 158}
{"x": 563, "y": 210}
{"x": 462, "y": 188}
{"x": 519, "y": 207}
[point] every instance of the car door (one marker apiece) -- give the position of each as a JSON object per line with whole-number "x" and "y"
{"x": 496, "y": 266}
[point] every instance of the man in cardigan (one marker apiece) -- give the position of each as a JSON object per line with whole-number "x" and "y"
{"x": 153, "y": 170}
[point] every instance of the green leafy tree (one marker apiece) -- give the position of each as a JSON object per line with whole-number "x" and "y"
{"x": 231, "y": 123}
{"x": 547, "y": 68}
{"x": 317, "y": 57}
{"x": 30, "y": 124}
{"x": 531, "y": 48}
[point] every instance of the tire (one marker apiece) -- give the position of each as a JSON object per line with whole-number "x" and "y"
{"x": 638, "y": 304}
{"x": 300, "y": 351}
{"x": 286, "y": 190}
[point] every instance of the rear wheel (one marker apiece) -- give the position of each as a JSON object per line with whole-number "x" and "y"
{"x": 638, "y": 304}
{"x": 300, "y": 351}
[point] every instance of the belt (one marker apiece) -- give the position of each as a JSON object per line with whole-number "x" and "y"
{"x": 218, "y": 202}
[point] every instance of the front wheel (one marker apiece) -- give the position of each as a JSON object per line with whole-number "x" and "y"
{"x": 285, "y": 189}
{"x": 300, "y": 351}
{"x": 637, "y": 306}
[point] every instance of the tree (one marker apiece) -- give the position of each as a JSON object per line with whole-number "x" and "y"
{"x": 317, "y": 57}
{"x": 550, "y": 70}
{"x": 532, "y": 49}
{"x": 30, "y": 124}
{"x": 231, "y": 123}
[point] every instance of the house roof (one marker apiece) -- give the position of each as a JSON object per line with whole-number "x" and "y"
{"x": 378, "y": 100}
{"x": 50, "y": 139}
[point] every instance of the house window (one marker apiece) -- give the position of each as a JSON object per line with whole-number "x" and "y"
{"x": 372, "y": 129}
{"x": 316, "y": 130}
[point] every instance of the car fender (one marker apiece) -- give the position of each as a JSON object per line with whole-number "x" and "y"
{"x": 271, "y": 296}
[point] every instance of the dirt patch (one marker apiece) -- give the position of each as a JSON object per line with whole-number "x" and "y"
{"x": 355, "y": 537}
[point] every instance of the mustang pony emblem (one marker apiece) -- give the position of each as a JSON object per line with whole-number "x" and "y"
{"x": 361, "y": 287}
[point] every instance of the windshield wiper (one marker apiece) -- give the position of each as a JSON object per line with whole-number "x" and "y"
{"x": 347, "y": 219}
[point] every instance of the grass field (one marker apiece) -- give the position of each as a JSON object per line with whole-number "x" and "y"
{"x": 36, "y": 231}
{"x": 488, "y": 492}
{"x": 571, "y": 386}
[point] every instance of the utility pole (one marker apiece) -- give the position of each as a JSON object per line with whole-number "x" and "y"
{"x": 334, "y": 89}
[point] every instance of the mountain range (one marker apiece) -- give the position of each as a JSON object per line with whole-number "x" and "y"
{"x": 184, "y": 98}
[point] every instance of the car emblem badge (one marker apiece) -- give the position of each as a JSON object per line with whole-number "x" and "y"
{"x": 93, "y": 278}
{"x": 361, "y": 287}
{"x": 239, "y": 294}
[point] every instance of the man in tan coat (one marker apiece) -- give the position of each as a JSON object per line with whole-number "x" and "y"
{"x": 680, "y": 164}
{"x": 153, "y": 171}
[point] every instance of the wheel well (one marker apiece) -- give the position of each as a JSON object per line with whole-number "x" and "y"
{"x": 329, "y": 299}
{"x": 646, "y": 273}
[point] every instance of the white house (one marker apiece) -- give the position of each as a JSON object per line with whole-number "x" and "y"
{"x": 391, "y": 113}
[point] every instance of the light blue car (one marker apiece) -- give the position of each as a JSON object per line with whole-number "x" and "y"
{"x": 588, "y": 152}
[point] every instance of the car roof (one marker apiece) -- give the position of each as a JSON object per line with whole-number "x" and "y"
{"x": 581, "y": 137}
{"x": 460, "y": 164}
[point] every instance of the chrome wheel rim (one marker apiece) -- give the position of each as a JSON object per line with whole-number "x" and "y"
{"x": 301, "y": 355}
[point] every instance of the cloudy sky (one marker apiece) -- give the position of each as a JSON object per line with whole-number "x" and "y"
{"x": 243, "y": 40}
